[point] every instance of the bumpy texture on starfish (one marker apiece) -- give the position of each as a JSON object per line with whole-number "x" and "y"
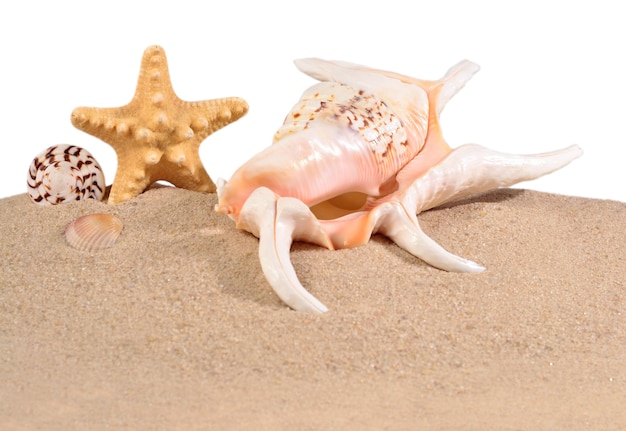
{"x": 157, "y": 135}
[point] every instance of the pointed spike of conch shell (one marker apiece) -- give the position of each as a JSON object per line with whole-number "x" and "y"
{"x": 466, "y": 170}
{"x": 277, "y": 222}
{"x": 93, "y": 232}
{"x": 472, "y": 168}
{"x": 401, "y": 226}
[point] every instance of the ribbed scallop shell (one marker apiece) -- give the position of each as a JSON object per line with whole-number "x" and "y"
{"x": 64, "y": 173}
{"x": 93, "y": 232}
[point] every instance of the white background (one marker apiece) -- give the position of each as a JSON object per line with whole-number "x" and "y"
{"x": 552, "y": 72}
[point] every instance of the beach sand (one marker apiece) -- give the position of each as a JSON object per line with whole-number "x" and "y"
{"x": 175, "y": 327}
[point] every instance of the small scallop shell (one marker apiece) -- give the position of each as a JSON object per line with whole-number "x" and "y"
{"x": 64, "y": 173}
{"x": 93, "y": 232}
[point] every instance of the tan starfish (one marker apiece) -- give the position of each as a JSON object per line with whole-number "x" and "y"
{"x": 157, "y": 135}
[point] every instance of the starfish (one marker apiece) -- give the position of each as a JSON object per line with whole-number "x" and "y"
{"x": 157, "y": 135}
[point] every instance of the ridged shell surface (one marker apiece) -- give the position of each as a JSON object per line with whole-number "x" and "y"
{"x": 64, "y": 173}
{"x": 93, "y": 232}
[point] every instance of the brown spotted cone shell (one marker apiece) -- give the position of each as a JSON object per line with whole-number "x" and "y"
{"x": 64, "y": 173}
{"x": 93, "y": 232}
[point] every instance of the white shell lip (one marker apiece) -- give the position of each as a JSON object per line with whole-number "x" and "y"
{"x": 94, "y": 232}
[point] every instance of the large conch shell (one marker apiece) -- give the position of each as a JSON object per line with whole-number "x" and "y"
{"x": 362, "y": 153}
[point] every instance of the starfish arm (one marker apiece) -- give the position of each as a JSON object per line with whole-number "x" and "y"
{"x": 154, "y": 77}
{"x": 183, "y": 169}
{"x": 108, "y": 124}
{"x": 208, "y": 116}
{"x": 131, "y": 179}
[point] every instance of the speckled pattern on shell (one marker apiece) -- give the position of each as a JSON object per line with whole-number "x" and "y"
{"x": 64, "y": 173}
{"x": 358, "y": 110}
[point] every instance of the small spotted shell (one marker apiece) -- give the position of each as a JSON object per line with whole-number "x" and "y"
{"x": 64, "y": 173}
{"x": 93, "y": 232}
